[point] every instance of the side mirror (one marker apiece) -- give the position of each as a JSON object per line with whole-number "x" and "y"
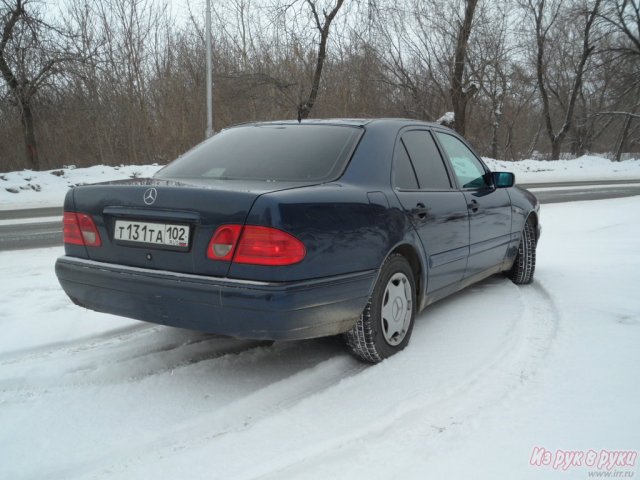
{"x": 503, "y": 179}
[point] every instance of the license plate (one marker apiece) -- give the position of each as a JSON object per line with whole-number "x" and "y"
{"x": 162, "y": 234}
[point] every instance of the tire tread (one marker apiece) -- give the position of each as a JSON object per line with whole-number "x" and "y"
{"x": 524, "y": 265}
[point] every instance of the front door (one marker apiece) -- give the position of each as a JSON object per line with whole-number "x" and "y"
{"x": 489, "y": 207}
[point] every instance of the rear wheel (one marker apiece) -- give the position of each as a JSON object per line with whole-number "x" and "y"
{"x": 525, "y": 263}
{"x": 385, "y": 326}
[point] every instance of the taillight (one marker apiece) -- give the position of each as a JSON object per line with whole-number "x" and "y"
{"x": 223, "y": 242}
{"x": 80, "y": 229}
{"x": 255, "y": 246}
{"x": 268, "y": 246}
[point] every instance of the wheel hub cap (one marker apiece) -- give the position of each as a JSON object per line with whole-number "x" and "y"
{"x": 398, "y": 305}
{"x": 396, "y": 309}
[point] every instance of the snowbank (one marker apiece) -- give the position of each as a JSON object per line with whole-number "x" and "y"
{"x": 586, "y": 168}
{"x": 29, "y": 189}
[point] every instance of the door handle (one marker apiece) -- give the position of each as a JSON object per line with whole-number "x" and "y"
{"x": 420, "y": 211}
{"x": 473, "y": 206}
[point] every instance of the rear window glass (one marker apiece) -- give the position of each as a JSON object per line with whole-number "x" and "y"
{"x": 269, "y": 153}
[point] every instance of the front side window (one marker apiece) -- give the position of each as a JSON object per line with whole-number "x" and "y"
{"x": 467, "y": 168}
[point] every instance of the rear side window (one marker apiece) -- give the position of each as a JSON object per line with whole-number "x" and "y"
{"x": 404, "y": 176}
{"x": 426, "y": 160}
{"x": 269, "y": 153}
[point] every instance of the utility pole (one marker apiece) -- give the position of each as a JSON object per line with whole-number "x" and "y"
{"x": 209, "y": 130}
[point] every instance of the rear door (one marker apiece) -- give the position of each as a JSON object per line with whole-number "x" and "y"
{"x": 438, "y": 211}
{"x": 489, "y": 208}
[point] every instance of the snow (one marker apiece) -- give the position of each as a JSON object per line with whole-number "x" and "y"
{"x": 447, "y": 119}
{"x": 48, "y": 188}
{"x": 31, "y": 189}
{"x": 491, "y": 374}
{"x": 585, "y": 168}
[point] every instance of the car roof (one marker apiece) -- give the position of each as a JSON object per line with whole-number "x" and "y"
{"x": 353, "y": 122}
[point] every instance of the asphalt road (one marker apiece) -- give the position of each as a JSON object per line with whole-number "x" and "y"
{"x": 576, "y": 192}
{"x": 47, "y": 232}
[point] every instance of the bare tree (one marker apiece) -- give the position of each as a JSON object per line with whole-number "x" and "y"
{"x": 545, "y": 16}
{"x": 492, "y": 52}
{"x": 27, "y": 61}
{"x": 623, "y": 19}
{"x": 304, "y": 108}
{"x": 404, "y": 49}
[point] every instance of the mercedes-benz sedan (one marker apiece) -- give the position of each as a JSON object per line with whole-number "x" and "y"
{"x": 287, "y": 230}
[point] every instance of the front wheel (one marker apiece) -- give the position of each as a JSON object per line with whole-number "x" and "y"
{"x": 525, "y": 263}
{"x": 385, "y": 326}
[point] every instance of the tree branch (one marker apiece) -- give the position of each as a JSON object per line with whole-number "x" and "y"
{"x": 7, "y": 32}
{"x": 625, "y": 114}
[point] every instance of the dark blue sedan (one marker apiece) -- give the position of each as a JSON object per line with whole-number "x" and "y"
{"x": 287, "y": 230}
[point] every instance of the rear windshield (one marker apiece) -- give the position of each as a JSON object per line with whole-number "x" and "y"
{"x": 272, "y": 152}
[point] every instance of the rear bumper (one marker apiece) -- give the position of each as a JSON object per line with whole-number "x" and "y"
{"x": 237, "y": 308}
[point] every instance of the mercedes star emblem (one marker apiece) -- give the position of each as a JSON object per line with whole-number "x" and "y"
{"x": 150, "y": 196}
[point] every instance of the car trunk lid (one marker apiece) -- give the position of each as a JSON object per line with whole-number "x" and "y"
{"x": 166, "y": 224}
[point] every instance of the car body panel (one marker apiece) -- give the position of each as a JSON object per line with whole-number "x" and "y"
{"x": 489, "y": 228}
{"x": 236, "y": 308}
{"x": 444, "y": 233}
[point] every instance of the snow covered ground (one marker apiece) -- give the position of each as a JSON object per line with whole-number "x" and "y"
{"x": 498, "y": 382}
{"x": 29, "y": 189}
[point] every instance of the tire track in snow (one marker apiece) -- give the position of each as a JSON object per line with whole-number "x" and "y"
{"x": 85, "y": 343}
{"x": 264, "y": 403}
{"x": 288, "y": 373}
{"x": 489, "y": 388}
{"x": 118, "y": 359}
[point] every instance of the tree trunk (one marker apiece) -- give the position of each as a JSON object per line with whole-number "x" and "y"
{"x": 304, "y": 108}
{"x": 623, "y": 138}
{"x": 534, "y": 142}
{"x": 460, "y": 96}
{"x": 494, "y": 131}
{"x": 508, "y": 146}
{"x": 556, "y": 145}
{"x": 494, "y": 142}
{"x": 31, "y": 147}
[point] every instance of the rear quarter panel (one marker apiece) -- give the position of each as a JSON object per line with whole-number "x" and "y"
{"x": 344, "y": 230}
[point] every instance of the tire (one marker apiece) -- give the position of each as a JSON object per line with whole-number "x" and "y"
{"x": 385, "y": 325}
{"x": 525, "y": 263}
